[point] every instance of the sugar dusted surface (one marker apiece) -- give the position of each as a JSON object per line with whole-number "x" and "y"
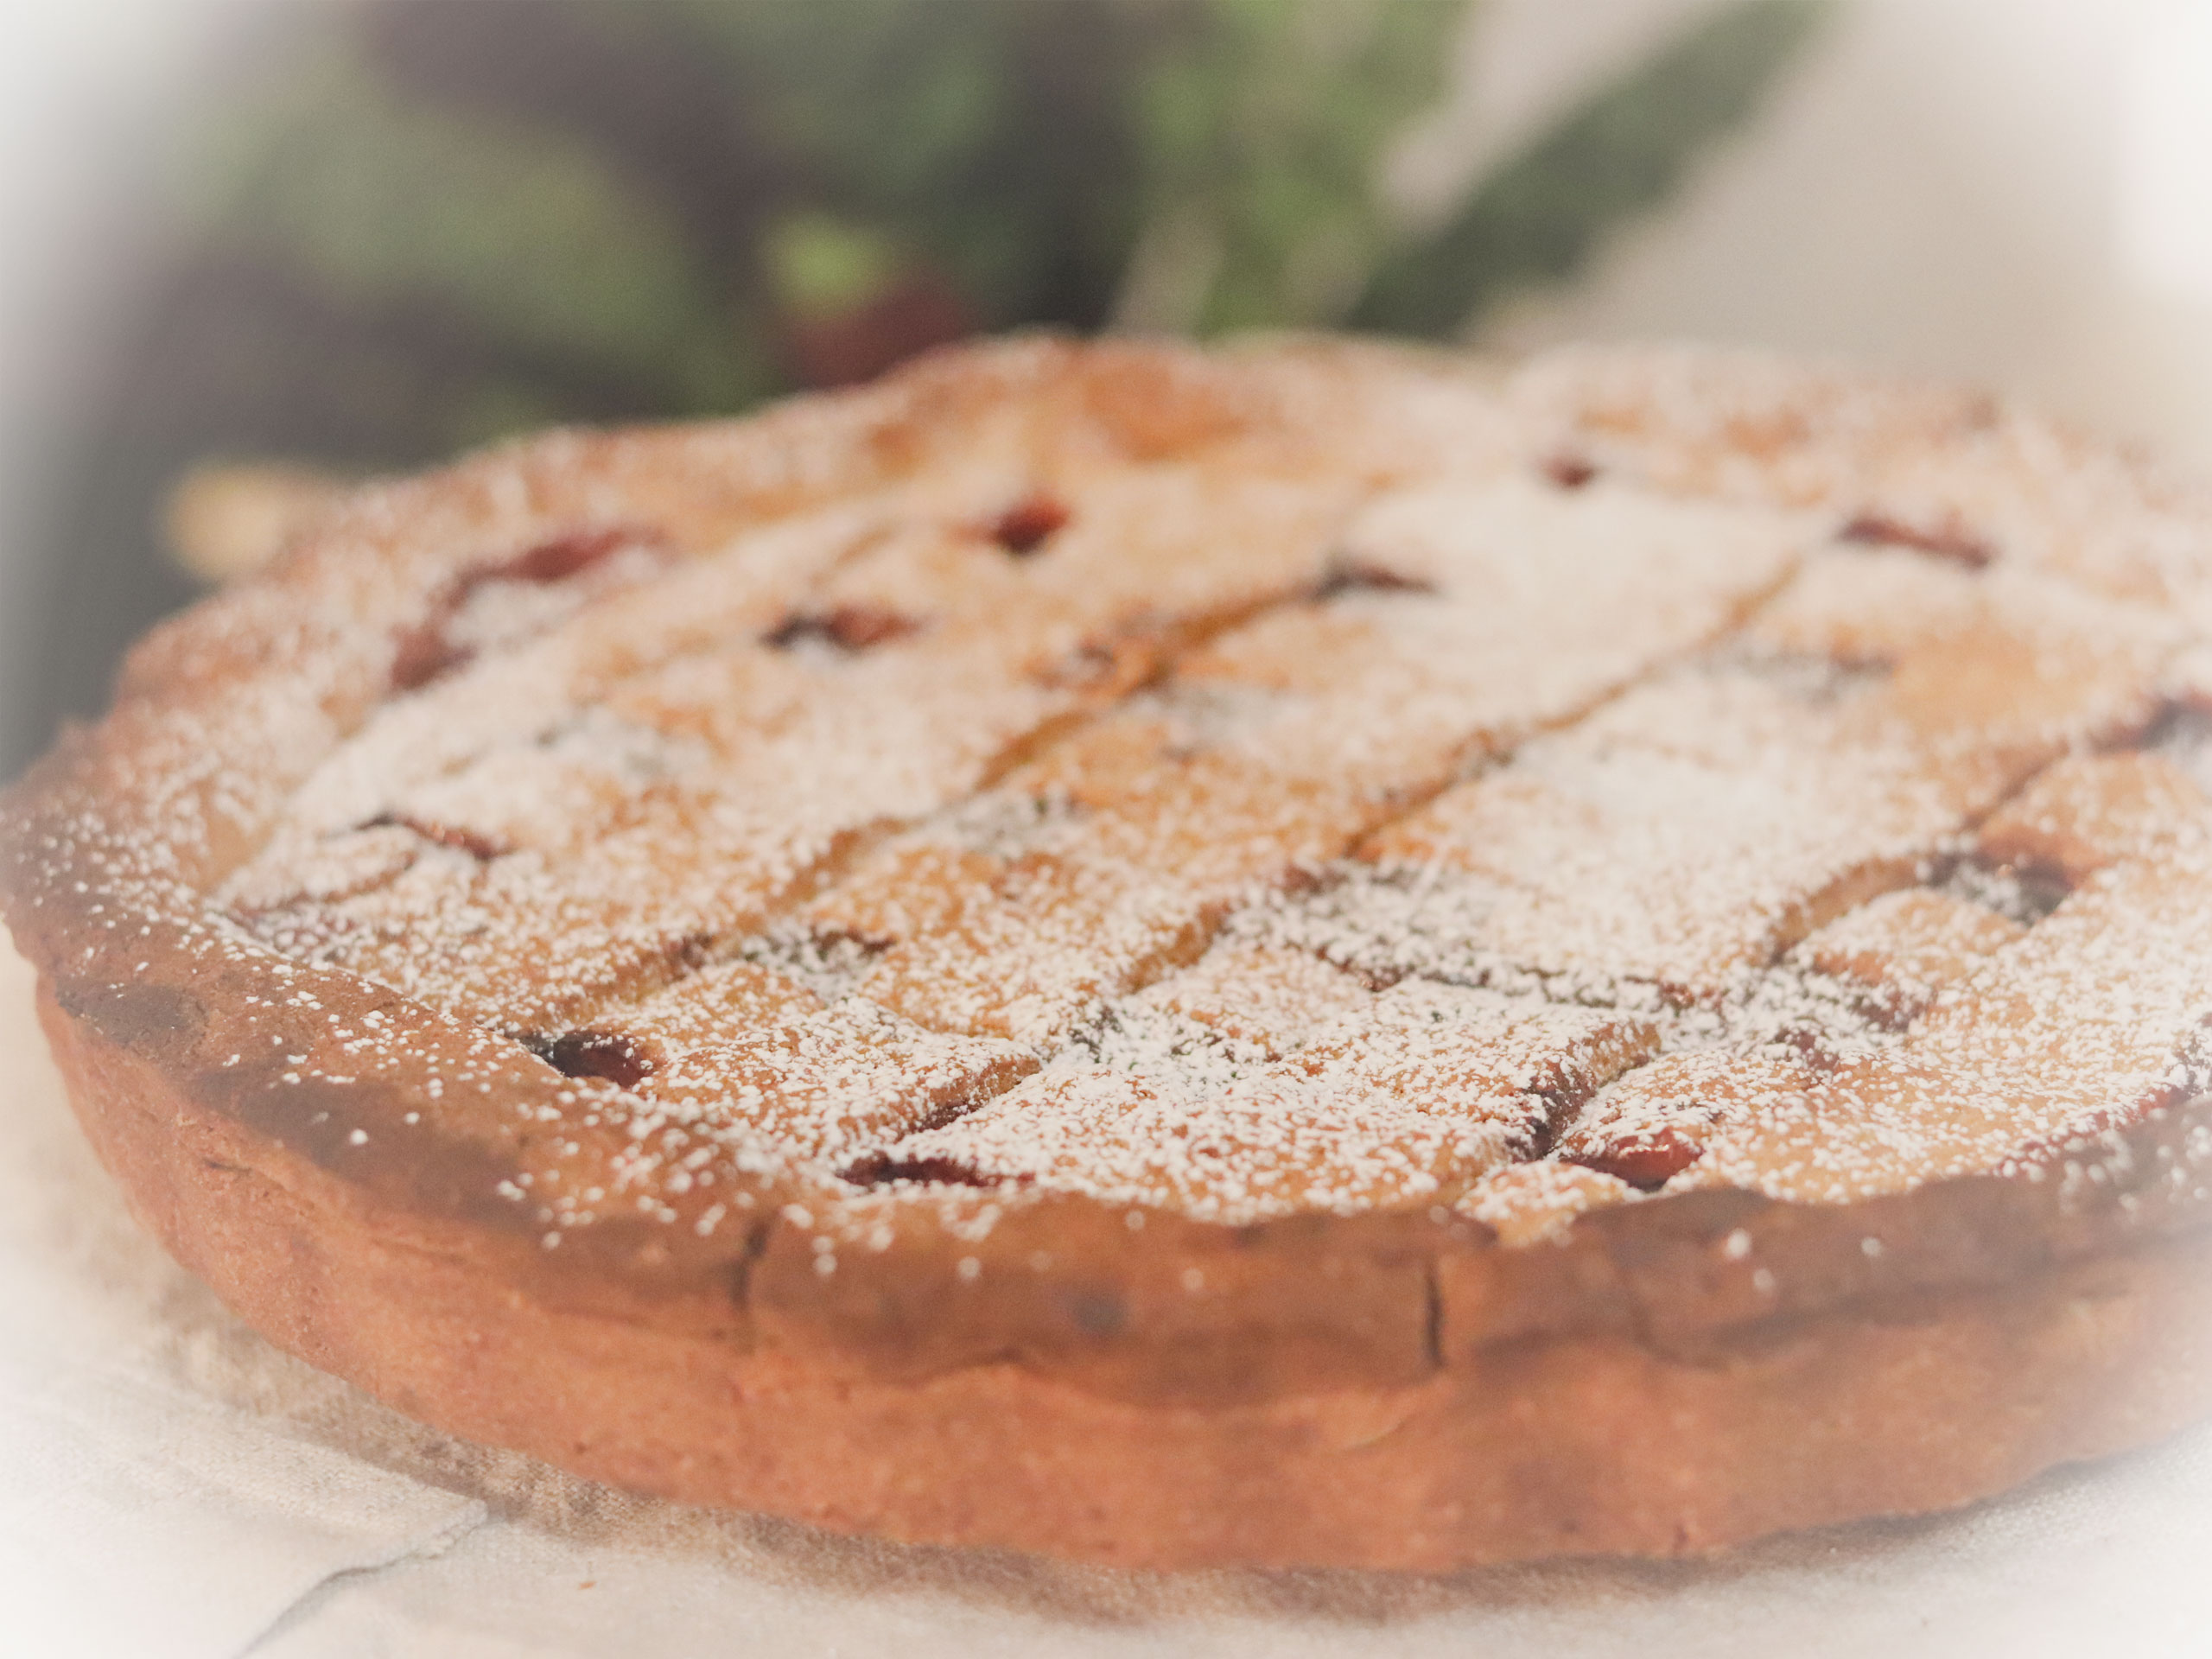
{"x": 1341, "y": 807}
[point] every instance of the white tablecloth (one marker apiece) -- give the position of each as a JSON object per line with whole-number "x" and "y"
{"x": 171, "y": 1485}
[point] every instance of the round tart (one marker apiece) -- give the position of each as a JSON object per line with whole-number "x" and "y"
{"x": 1305, "y": 955}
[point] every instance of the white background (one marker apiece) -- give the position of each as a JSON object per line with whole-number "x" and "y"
{"x": 2019, "y": 191}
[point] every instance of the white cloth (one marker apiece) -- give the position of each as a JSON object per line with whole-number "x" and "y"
{"x": 171, "y": 1487}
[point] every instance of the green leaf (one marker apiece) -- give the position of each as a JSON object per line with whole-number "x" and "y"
{"x": 879, "y": 98}
{"x": 531, "y": 234}
{"x": 1258, "y": 125}
{"x": 1540, "y": 216}
{"x": 822, "y": 266}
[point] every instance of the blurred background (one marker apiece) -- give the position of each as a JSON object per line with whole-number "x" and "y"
{"x": 254, "y": 248}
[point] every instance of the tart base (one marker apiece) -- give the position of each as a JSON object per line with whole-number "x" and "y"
{"x": 1590, "y": 1443}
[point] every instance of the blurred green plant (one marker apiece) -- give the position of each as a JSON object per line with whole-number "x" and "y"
{"x": 1259, "y": 127}
{"x": 1620, "y": 152}
{"x": 595, "y": 208}
{"x": 374, "y": 200}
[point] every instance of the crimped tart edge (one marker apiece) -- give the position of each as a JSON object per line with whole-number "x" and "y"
{"x": 1590, "y": 1441}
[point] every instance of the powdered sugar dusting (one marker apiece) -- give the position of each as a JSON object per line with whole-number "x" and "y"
{"x": 1326, "y": 806}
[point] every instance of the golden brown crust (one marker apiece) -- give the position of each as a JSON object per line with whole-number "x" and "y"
{"x": 1525, "y": 1435}
{"x": 352, "y": 1168}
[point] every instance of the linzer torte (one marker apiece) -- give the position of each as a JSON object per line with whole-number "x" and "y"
{"x": 1302, "y": 955}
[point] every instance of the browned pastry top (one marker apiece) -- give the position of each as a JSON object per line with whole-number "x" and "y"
{"x": 1146, "y": 841}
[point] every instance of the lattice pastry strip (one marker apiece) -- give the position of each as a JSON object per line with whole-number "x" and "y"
{"x": 1414, "y": 1040}
{"x": 1151, "y": 559}
{"x": 1860, "y": 606}
{"x": 2119, "y": 969}
{"x": 1054, "y": 938}
{"x": 1267, "y": 997}
{"x": 1429, "y": 650}
{"x": 1405, "y": 1101}
{"x": 831, "y": 1085}
{"x": 708, "y": 1009}
{"x": 1527, "y": 1204}
{"x": 1251, "y": 1149}
{"x": 511, "y": 698}
{"x": 1946, "y": 472}
{"x": 2087, "y": 811}
{"x": 1899, "y": 952}
{"x": 1606, "y": 869}
{"x": 1654, "y": 1122}
{"x": 2097, "y": 1014}
{"x": 1699, "y": 826}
